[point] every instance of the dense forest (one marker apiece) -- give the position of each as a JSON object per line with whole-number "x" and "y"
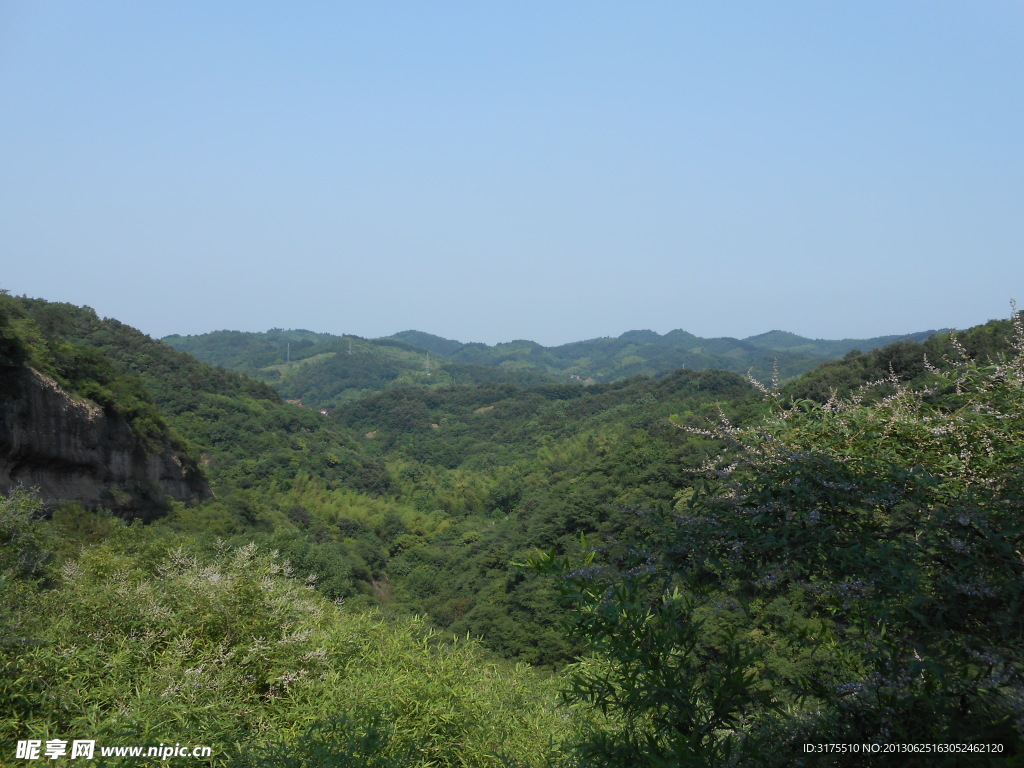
{"x": 470, "y": 561}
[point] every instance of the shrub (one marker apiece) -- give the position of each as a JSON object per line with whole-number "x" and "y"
{"x": 848, "y": 572}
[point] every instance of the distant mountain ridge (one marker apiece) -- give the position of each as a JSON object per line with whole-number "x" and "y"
{"x": 325, "y": 370}
{"x": 646, "y": 352}
{"x": 775, "y": 340}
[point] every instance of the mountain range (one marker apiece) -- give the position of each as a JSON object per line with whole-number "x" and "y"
{"x": 286, "y": 568}
{"x": 325, "y": 370}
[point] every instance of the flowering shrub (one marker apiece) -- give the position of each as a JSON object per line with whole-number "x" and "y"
{"x": 844, "y": 572}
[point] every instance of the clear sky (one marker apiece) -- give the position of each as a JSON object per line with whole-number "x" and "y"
{"x": 491, "y": 171}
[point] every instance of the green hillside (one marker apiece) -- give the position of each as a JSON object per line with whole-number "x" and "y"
{"x": 648, "y": 353}
{"x": 323, "y": 370}
{"x": 678, "y": 570}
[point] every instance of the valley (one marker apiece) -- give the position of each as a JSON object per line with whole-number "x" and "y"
{"x": 605, "y": 553}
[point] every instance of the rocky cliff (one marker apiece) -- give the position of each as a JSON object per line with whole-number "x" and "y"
{"x": 71, "y": 449}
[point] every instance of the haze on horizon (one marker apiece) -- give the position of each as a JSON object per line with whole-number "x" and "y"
{"x": 553, "y": 172}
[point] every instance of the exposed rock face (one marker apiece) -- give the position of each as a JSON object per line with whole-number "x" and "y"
{"x": 72, "y": 450}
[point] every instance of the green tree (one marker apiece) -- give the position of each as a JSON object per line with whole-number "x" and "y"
{"x": 848, "y": 572}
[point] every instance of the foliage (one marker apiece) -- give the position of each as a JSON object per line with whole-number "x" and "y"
{"x": 848, "y": 572}
{"x": 509, "y": 469}
{"x": 905, "y": 359}
{"x": 25, "y": 560}
{"x": 135, "y": 643}
{"x": 24, "y": 545}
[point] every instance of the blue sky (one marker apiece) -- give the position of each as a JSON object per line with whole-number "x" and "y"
{"x": 546, "y": 170}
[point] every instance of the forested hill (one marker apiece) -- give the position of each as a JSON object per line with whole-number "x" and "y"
{"x": 710, "y": 574}
{"x": 235, "y": 428}
{"x": 652, "y": 354}
{"x": 323, "y": 370}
